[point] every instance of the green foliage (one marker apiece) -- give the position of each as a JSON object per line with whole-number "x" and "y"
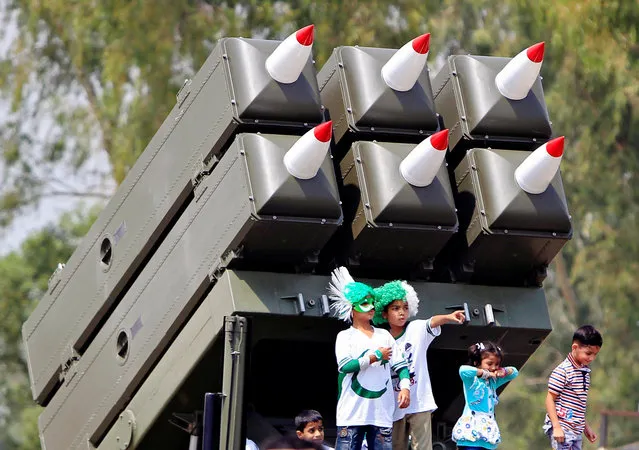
{"x": 103, "y": 78}
{"x": 23, "y": 280}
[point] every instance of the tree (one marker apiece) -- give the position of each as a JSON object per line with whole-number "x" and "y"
{"x": 24, "y": 275}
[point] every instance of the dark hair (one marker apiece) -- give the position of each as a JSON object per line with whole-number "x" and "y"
{"x": 305, "y": 417}
{"x": 477, "y": 351}
{"x": 588, "y": 335}
{"x": 289, "y": 442}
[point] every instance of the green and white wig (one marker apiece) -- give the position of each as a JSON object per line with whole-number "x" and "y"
{"x": 391, "y": 291}
{"x": 348, "y": 294}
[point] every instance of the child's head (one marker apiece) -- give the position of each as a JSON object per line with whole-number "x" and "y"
{"x": 485, "y": 355}
{"x": 309, "y": 425}
{"x": 586, "y": 343}
{"x": 395, "y": 302}
{"x": 352, "y": 300}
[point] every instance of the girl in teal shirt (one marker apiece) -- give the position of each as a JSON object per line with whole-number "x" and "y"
{"x": 477, "y": 429}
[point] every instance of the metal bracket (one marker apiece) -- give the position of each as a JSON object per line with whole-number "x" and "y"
{"x": 221, "y": 263}
{"x": 55, "y": 277}
{"x": 184, "y": 92}
{"x": 466, "y": 309}
{"x": 326, "y": 307}
{"x": 490, "y": 310}
{"x": 68, "y": 361}
{"x": 202, "y": 169}
{"x": 300, "y": 302}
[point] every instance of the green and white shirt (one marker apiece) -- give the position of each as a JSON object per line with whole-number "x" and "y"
{"x": 365, "y": 390}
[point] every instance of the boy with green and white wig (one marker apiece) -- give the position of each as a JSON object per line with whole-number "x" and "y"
{"x": 396, "y": 302}
{"x": 365, "y": 357}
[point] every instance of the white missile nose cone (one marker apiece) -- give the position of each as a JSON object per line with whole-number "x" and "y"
{"x": 421, "y": 165}
{"x": 304, "y": 159}
{"x": 287, "y": 61}
{"x": 517, "y": 78}
{"x": 401, "y": 72}
{"x": 537, "y": 171}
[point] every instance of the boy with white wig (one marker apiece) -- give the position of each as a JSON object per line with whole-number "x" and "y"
{"x": 396, "y": 302}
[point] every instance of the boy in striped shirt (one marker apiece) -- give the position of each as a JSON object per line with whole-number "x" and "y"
{"x": 568, "y": 392}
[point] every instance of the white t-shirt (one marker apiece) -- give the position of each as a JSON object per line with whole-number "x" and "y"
{"x": 366, "y": 396}
{"x": 414, "y": 343}
{"x": 250, "y": 445}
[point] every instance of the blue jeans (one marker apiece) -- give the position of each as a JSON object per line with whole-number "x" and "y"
{"x": 377, "y": 438}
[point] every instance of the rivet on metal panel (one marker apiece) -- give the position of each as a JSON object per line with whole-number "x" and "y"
{"x": 372, "y": 128}
{"x": 570, "y": 216}
{"x": 486, "y": 137}
{"x": 323, "y": 221}
{"x": 305, "y": 124}
{"x": 453, "y": 73}
{"x": 421, "y": 131}
{"x": 358, "y": 159}
{"x": 463, "y": 118}
{"x": 257, "y": 121}
{"x": 349, "y": 110}
{"x": 505, "y": 231}
{"x": 322, "y": 107}
{"x": 310, "y": 302}
{"x": 540, "y": 77}
{"x": 340, "y": 203}
{"x": 313, "y": 61}
{"x": 232, "y": 101}
{"x": 225, "y": 56}
{"x": 550, "y": 122}
{"x": 251, "y": 198}
{"x": 390, "y": 224}
{"x": 554, "y": 234}
{"x": 274, "y": 217}
{"x": 456, "y": 210}
{"x": 446, "y": 164}
{"x": 367, "y": 205}
{"x": 534, "y": 139}
{"x": 483, "y": 213}
{"x": 340, "y": 65}
{"x": 474, "y": 167}
{"x": 439, "y": 227}
{"x": 242, "y": 152}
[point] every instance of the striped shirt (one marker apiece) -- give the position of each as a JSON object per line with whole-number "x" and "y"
{"x": 570, "y": 383}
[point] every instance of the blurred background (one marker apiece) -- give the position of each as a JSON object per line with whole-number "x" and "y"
{"x": 84, "y": 85}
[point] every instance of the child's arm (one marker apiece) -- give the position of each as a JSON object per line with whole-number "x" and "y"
{"x": 590, "y": 434}
{"x": 470, "y": 372}
{"x": 551, "y": 409}
{"x": 505, "y": 374}
{"x": 442, "y": 319}
{"x": 400, "y": 366}
{"x": 347, "y": 364}
{"x": 556, "y": 385}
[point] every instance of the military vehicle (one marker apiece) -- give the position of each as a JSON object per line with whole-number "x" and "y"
{"x": 195, "y": 314}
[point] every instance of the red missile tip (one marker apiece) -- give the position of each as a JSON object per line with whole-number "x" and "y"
{"x": 305, "y": 35}
{"x": 536, "y": 52}
{"x": 421, "y": 44}
{"x": 439, "y": 140}
{"x": 555, "y": 147}
{"x": 324, "y": 131}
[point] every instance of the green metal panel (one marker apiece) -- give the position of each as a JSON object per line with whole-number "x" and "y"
{"x": 232, "y": 92}
{"x": 511, "y": 235}
{"x": 393, "y": 223}
{"x": 276, "y": 323}
{"x": 363, "y": 107}
{"x": 197, "y": 248}
{"x": 478, "y": 115}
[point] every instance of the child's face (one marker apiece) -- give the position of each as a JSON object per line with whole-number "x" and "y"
{"x": 490, "y": 362}
{"x": 584, "y": 354}
{"x": 363, "y": 316}
{"x": 396, "y": 313}
{"x": 313, "y": 431}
